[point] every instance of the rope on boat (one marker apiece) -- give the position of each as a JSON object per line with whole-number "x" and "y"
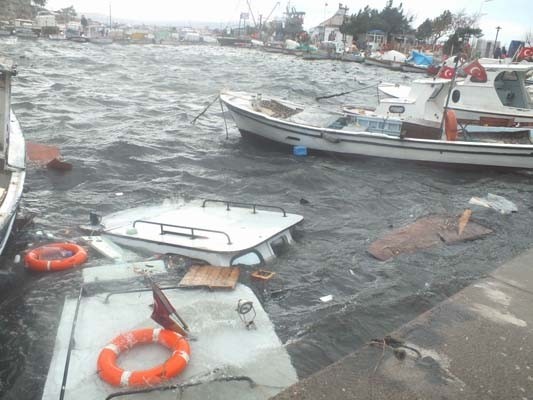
{"x": 224, "y": 116}
{"x": 348, "y": 92}
{"x": 204, "y": 110}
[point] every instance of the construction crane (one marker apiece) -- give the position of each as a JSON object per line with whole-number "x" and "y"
{"x": 251, "y": 13}
{"x": 271, "y": 12}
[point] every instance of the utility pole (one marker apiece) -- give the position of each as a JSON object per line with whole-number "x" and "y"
{"x": 496, "y": 40}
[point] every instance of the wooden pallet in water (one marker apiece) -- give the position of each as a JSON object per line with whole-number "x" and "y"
{"x": 211, "y": 277}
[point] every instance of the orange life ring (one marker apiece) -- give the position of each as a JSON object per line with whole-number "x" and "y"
{"x": 42, "y": 258}
{"x": 450, "y": 125}
{"x": 112, "y": 374}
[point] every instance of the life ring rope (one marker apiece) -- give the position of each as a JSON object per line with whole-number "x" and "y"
{"x": 110, "y": 372}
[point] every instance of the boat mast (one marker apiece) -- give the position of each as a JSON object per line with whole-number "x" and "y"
{"x": 110, "y": 16}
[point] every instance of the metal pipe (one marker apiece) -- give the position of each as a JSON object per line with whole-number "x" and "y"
{"x": 70, "y": 345}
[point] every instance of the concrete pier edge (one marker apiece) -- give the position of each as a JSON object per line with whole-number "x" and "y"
{"x": 478, "y": 344}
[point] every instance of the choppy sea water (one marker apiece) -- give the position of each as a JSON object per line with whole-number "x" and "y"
{"x": 121, "y": 115}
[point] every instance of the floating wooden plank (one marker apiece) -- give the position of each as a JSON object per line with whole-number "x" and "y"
{"x": 109, "y": 249}
{"x": 426, "y": 232}
{"x": 211, "y": 277}
{"x": 463, "y": 220}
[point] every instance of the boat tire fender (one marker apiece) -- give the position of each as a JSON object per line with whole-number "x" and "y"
{"x": 450, "y": 125}
{"x": 110, "y": 372}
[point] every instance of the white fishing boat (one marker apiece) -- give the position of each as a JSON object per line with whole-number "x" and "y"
{"x": 12, "y": 153}
{"x": 502, "y": 100}
{"x": 219, "y": 232}
{"x": 232, "y": 350}
{"x": 391, "y": 59}
{"x": 353, "y": 57}
{"x": 296, "y": 125}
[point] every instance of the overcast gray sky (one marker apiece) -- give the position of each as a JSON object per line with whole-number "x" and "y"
{"x": 514, "y": 16}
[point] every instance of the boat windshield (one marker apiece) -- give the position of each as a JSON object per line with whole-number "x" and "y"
{"x": 511, "y": 90}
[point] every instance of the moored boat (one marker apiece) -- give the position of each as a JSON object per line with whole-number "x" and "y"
{"x": 234, "y": 41}
{"x": 12, "y": 153}
{"x": 285, "y": 122}
{"x": 501, "y": 99}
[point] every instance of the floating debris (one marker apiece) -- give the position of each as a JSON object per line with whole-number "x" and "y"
{"x": 427, "y": 232}
{"x": 211, "y": 277}
{"x": 498, "y": 203}
{"x": 46, "y": 155}
{"x": 262, "y": 275}
{"x": 326, "y": 299}
{"x": 463, "y": 220}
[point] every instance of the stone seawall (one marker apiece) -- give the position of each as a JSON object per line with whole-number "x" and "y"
{"x": 11, "y": 9}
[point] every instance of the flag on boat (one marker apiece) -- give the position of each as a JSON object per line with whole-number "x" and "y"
{"x": 165, "y": 314}
{"x": 446, "y": 72}
{"x": 476, "y": 70}
{"x": 525, "y": 53}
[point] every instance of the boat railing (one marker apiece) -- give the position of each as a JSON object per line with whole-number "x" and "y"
{"x": 193, "y": 229}
{"x": 241, "y": 204}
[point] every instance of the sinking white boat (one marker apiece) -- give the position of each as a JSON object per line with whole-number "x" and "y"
{"x": 296, "y": 125}
{"x": 219, "y": 232}
{"x": 503, "y": 100}
{"x": 12, "y": 155}
{"x": 230, "y": 356}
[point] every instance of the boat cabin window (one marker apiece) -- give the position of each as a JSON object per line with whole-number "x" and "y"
{"x": 456, "y": 95}
{"x": 397, "y": 109}
{"x": 511, "y": 91}
{"x": 250, "y": 258}
{"x": 436, "y": 91}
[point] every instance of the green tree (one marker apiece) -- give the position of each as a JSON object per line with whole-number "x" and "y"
{"x": 457, "y": 42}
{"x": 424, "y": 30}
{"x": 67, "y": 14}
{"x": 441, "y": 25}
{"x": 391, "y": 20}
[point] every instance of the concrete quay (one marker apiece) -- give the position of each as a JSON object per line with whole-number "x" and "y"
{"x": 478, "y": 344}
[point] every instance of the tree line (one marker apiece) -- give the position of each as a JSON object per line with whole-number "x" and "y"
{"x": 393, "y": 20}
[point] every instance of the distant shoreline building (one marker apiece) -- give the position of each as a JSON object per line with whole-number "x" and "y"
{"x": 329, "y": 30}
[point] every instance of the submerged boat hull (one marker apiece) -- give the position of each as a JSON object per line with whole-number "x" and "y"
{"x": 377, "y": 145}
{"x": 227, "y": 360}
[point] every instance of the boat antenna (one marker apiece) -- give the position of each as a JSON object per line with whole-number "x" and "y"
{"x": 452, "y": 84}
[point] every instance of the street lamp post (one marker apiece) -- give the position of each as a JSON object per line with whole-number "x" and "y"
{"x": 496, "y": 40}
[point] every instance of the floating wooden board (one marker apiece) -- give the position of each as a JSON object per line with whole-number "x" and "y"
{"x": 211, "y": 277}
{"x": 426, "y": 232}
{"x": 109, "y": 249}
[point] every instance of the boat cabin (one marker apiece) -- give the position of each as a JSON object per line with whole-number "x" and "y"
{"x": 502, "y": 100}
{"x": 505, "y": 86}
{"x": 219, "y": 232}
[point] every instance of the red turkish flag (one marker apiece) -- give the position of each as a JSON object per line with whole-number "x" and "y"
{"x": 165, "y": 314}
{"x": 446, "y": 73}
{"x": 525, "y": 53}
{"x": 477, "y": 71}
